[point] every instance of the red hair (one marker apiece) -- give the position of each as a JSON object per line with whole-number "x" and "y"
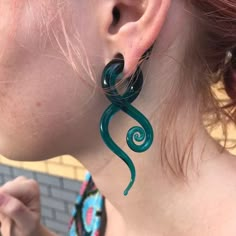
{"x": 217, "y": 20}
{"x": 214, "y": 36}
{"x": 230, "y": 78}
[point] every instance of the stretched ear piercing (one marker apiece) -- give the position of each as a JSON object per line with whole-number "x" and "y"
{"x": 111, "y": 74}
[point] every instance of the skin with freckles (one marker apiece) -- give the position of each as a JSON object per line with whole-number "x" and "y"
{"x": 40, "y": 91}
{"x": 51, "y": 103}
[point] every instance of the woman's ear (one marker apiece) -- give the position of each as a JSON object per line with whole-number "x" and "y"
{"x": 130, "y": 27}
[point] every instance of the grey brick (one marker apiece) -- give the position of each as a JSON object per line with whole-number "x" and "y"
{"x": 43, "y": 221}
{"x": 47, "y": 179}
{"x": 7, "y": 178}
{"x": 54, "y": 213}
{"x": 60, "y": 233}
{"x": 44, "y": 189}
{"x": 5, "y": 170}
{"x": 70, "y": 207}
{"x": 1, "y": 179}
{"x": 72, "y": 185}
{"x": 62, "y": 217}
{"x": 56, "y": 226}
{"x": 46, "y": 212}
{"x": 52, "y": 203}
{"x": 20, "y": 172}
{"x": 62, "y": 194}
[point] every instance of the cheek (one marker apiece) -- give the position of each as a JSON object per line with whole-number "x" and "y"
{"x": 40, "y": 99}
{"x": 44, "y": 96}
{"x": 42, "y": 114}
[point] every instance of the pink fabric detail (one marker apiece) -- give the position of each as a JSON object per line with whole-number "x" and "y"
{"x": 89, "y": 215}
{"x": 96, "y": 233}
{"x": 83, "y": 187}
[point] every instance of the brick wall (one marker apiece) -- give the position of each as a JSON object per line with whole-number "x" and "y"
{"x": 58, "y": 195}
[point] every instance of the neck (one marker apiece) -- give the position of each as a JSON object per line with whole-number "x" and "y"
{"x": 162, "y": 201}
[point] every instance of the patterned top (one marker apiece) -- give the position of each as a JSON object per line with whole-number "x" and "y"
{"x": 88, "y": 215}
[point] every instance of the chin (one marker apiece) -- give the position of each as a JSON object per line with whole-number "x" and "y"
{"x": 21, "y": 157}
{"x": 29, "y": 155}
{"x": 23, "y": 149}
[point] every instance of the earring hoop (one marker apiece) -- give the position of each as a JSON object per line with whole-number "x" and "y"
{"x": 143, "y": 133}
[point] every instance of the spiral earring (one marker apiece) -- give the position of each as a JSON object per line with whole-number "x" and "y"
{"x": 112, "y": 72}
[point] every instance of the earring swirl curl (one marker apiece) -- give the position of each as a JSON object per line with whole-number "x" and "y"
{"x": 136, "y": 134}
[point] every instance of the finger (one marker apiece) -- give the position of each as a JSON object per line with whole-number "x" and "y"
{"x": 26, "y": 190}
{"x": 18, "y": 178}
{"x": 6, "y": 224}
{"x": 21, "y": 177}
{"x": 15, "y": 210}
{"x": 15, "y": 181}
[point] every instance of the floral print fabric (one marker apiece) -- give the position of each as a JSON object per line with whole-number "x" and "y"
{"x": 86, "y": 217}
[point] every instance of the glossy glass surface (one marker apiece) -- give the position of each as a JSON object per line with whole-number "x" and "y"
{"x": 138, "y": 134}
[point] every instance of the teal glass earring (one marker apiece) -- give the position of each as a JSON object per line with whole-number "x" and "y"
{"x": 122, "y": 102}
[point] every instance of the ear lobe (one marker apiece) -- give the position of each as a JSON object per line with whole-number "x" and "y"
{"x": 133, "y": 30}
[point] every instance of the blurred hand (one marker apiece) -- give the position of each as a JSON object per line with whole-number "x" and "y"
{"x": 20, "y": 207}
